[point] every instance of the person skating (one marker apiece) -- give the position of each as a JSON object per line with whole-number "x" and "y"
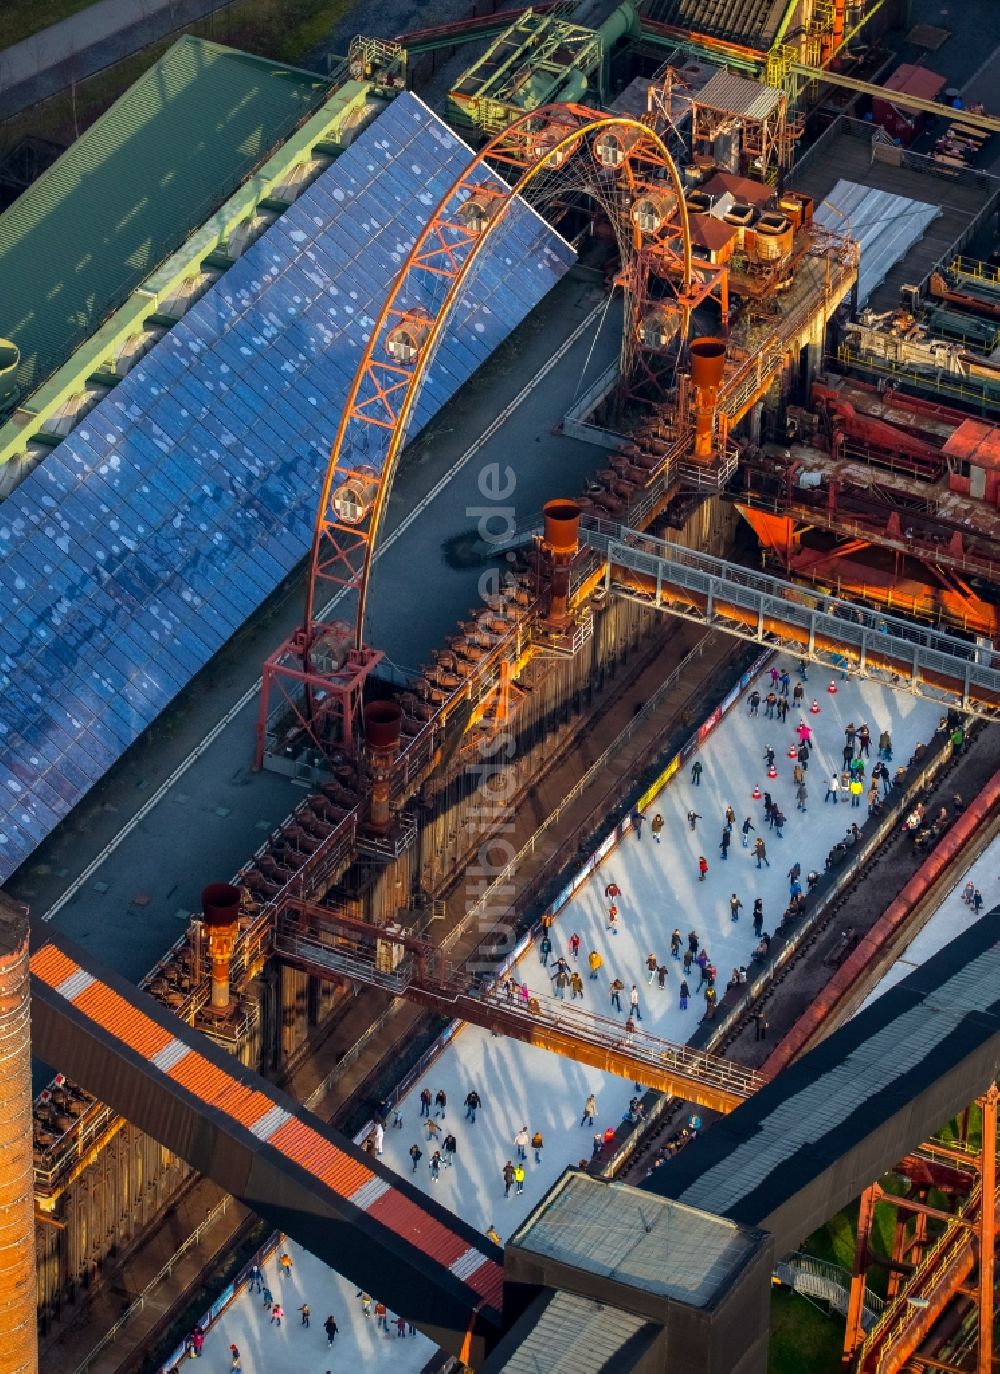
{"x": 833, "y": 790}
{"x": 235, "y": 1360}
{"x": 770, "y": 701}
{"x": 616, "y": 990}
{"x": 730, "y": 817}
{"x": 696, "y": 772}
{"x": 798, "y": 693}
{"x": 885, "y": 746}
{"x": 613, "y": 919}
{"x": 561, "y": 981}
{"x": 745, "y": 829}
{"x": 685, "y": 993}
{"x": 652, "y": 963}
{"x": 285, "y": 1264}
{"x": 589, "y": 1110}
{"x": 594, "y": 962}
{"x": 519, "y": 1177}
{"x": 800, "y": 797}
{"x": 575, "y": 986}
{"x": 521, "y": 1141}
{"x": 702, "y": 962}
{"x": 725, "y": 841}
{"x": 675, "y": 943}
{"x": 305, "y": 1313}
{"x": 702, "y": 868}
{"x": 277, "y": 1312}
{"x": 693, "y": 819}
{"x": 536, "y": 1144}
{"x": 768, "y": 756}
{"x": 400, "y": 1328}
{"x": 435, "y": 1166}
{"x": 760, "y": 850}
{"x": 366, "y": 1302}
{"x": 382, "y": 1317}
{"x": 574, "y": 945}
{"x": 633, "y": 999}
{"x": 693, "y": 942}
{"x": 735, "y": 907}
{"x": 661, "y": 975}
{"x": 425, "y": 1102}
{"x": 638, "y": 820}
{"x": 754, "y": 700}
{"x": 268, "y": 1297}
{"x": 856, "y": 788}
{"x": 656, "y": 826}
{"x": 864, "y": 739}
{"x": 688, "y": 961}
{"x": 449, "y": 1147}
{"x": 331, "y": 1329}
{"x": 544, "y": 950}
{"x": 493, "y": 1234}
{"x": 472, "y": 1104}
{"x": 758, "y": 916}
{"x": 433, "y": 1129}
{"x": 508, "y": 1178}
{"x": 779, "y": 822}
{"x": 785, "y": 680}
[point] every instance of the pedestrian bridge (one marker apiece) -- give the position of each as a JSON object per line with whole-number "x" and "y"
{"x": 838, "y": 635}
{"x": 326, "y": 942}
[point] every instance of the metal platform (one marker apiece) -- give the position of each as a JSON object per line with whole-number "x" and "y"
{"x": 837, "y": 634}
{"x": 326, "y": 942}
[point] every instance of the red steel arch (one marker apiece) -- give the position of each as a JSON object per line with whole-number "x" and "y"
{"x": 374, "y": 424}
{"x": 386, "y": 384}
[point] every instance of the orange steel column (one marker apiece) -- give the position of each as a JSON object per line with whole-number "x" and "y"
{"x": 383, "y": 728}
{"x": 708, "y": 362}
{"x": 19, "y": 1345}
{"x": 987, "y": 1230}
{"x": 220, "y": 904}
{"x": 854, "y": 1332}
{"x": 561, "y": 542}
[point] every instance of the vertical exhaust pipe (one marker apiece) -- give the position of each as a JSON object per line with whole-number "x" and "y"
{"x": 383, "y": 727}
{"x": 708, "y": 362}
{"x": 561, "y": 542}
{"x": 220, "y": 904}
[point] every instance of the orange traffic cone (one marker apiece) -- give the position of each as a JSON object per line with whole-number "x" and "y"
{"x": 814, "y": 708}
{"x": 832, "y": 688}
{"x": 793, "y": 753}
{"x": 772, "y": 772}
{"x": 755, "y": 793}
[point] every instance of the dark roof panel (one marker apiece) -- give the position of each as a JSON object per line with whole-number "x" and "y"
{"x": 133, "y": 186}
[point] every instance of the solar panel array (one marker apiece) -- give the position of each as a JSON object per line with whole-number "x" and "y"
{"x": 155, "y": 529}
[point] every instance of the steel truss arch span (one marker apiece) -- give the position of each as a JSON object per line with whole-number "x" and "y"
{"x": 402, "y": 342}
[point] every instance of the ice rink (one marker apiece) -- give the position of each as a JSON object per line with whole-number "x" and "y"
{"x": 524, "y": 1086}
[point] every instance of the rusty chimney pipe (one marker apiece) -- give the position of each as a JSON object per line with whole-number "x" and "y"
{"x": 561, "y": 542}
{"x": 19, "y": 1347}
{"x": 220, "y": 905}
{"x": 708, "y": 362}
{"x": 383, "y": 726}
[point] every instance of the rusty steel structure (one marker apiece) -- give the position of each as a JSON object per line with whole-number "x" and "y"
{"x": 941, "y": 1253}
{"x": 330, "y": 944}
{"x": 19, "y": 1347}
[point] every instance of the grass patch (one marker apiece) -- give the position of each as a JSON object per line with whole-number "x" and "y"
{"x": 22, "y": 18}
{"x": 803, "y": 1337}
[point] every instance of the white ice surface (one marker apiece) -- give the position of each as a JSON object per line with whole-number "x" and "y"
{"x": 521, "y": 1085}
{"x": 951, "y": 918}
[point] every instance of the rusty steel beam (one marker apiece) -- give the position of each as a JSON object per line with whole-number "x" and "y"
{"x": 19, "y": 1347}
{"x": 987, "y": 1231}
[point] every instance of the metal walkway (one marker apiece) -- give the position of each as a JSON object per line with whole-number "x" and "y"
{"x": 281, "y": 1161}
{"x": 839, "y": 635}
{"x": 325, "y": 942}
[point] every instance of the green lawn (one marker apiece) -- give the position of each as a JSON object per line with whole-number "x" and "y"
{"x": 22, "y": 18}
{"x": 802, "y": 1336}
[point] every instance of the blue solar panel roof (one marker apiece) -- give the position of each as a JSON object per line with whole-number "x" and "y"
{"x": 165, "y": 519}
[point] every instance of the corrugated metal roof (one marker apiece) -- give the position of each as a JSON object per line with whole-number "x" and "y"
{"x": 574, "y": 1336}
{"x": 627, "y": 1235}
{"x": 975, "y": 442}
{"x": 746, "y": 21}
{"x": 727, "y": 91}
{"x": 887, "y": 226}
{"x": 133, "y": 186}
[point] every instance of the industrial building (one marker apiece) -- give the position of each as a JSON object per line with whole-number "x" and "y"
{"x": 238, "y": 315}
